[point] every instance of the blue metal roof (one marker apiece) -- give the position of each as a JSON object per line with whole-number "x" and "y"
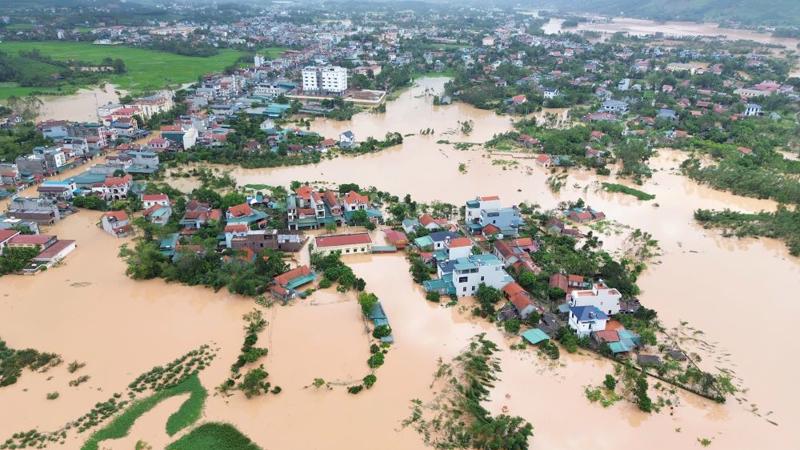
{"x": 587, "y": 313}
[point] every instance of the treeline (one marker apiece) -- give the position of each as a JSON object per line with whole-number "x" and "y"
{"x": 745, "y": 178}
{"x": 32, "y": 68}
{"x": 19, "y": 141}
{"x": 185, "y": 47}
{"x": 783, "y": 224}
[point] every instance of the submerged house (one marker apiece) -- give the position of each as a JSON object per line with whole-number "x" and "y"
{"x": 285, "y": 285}
{"x": 344, "y": 243}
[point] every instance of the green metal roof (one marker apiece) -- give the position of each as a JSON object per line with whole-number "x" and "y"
{"x": 535, "y": 336}
{"x": 424, "y": 241}
{"x": 299, "y": 281}
{"x": 620, "y": 347}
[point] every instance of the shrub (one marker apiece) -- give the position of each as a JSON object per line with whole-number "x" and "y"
{"x": 375, "y": 360}
{"x": 355, "y": 389}
{"x": 610, "y": 382}
{"x": 370, "y": 380}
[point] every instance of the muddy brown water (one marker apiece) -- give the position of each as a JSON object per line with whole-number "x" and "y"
{"x": 738, "y": 292}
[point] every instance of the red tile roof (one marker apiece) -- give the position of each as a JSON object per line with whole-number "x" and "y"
{"x": 155, "y": 197}
{"x": 396, "y": 238}
{"x": 343, "y": 239}
{"x": 7, "y": 234}
{"x": 118, "y": 215}
{"x": 117, "y": 181}
{"x": 304, "y": 192}
{"x": 354, "y": 197}
{"x": 31, "y": 239}
{"x": 426, "y": 219}
{"x": 460, "y": 242}
{"x": 236, "y": 228}
{"x": 487, "y": 198}
{"x": 607, "y": 336}
{"x": 284, "y": 278}
{"x": 491, "y": 229}
{"x": 240, "y": 210}
{"x": 54, "y": 249}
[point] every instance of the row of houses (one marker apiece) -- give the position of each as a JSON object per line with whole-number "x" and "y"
{"x": 307, "y": 208}
{"x": 51, "y": 249}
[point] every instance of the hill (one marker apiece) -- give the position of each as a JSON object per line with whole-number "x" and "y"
{"x": 748, "y": 12}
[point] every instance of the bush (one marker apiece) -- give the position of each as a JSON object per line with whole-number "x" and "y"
{"x": 512, "y": 326}
{"x": 355, "y": 389}
{"x": 370, "y": 380}
{"x": 381, "y": 331}
{"x": 610, "y": 382}
{"x": 375, "y": 360}
{"x": 433, "y": 296}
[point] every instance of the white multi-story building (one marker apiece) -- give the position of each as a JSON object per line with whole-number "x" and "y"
{"x": 587, "y": 319}
{"x": 268, "y": 90}
{"x": 310, "y": 79}
{"x": 474, "y": 207}
{"x": 259, "y": 60}
{"x": 469, "y": 272}
{"x": 325, "y": 79}
{"x": 600, "y": 296}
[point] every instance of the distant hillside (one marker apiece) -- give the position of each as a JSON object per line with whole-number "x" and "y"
{"x": 750, "y": 12}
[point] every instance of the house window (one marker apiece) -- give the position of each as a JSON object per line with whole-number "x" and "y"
{"x": 347, "y": 251}
{"x": 462, "y": 279}
{"x": 464, "y": 289}
{"x": 482, "y": 278}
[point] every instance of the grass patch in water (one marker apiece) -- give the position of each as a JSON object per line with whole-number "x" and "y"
{"x": 214, "y": 436}
{"x": 187, "y": 414}
{"x": 621, "y": 188}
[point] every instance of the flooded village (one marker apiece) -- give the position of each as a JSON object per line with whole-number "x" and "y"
{"x": 325, "y": 261}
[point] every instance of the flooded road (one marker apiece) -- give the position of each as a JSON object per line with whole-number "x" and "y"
{"x": 738, "y": 292}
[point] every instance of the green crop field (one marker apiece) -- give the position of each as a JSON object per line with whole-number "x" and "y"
{"x": 147, "y": 70}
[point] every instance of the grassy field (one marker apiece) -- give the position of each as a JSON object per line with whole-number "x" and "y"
{"x": 8, "y": 89}
{"x": 614, "y": 187}
{"x": 147, "y": 70}
{"x": 187, "y": 414}
{"x": 214, "y": 436}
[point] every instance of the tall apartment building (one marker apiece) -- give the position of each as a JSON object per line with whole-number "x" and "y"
{"x": 325, "y": 79}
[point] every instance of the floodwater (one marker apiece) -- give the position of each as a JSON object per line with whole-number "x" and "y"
{"x": 79, "y": 107}
{"x": 643, "y": 27}
{"x": 703, "y": 278}
{"x": 738, "y": 292}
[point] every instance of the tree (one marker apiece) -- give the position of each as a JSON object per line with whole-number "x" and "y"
{"x": 254, "y": 382}
{"x": 367, "y": 300}
{"x": 145, "y": 261}
{"x": 232, "y": 199}
{"x": 15, "y": 259}
{"x": 269, "y": 263}
{"x": 527, "y": 279}
{"x": 512, "y": 326}
{"x": 487, "y": 297}
{"x": 610, "y": 382}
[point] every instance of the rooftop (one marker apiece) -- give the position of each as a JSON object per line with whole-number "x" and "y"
{"x": 337, "y": 240}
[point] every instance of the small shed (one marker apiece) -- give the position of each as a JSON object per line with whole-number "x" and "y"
{"x": 535, "y": 336}
{"x": 648, "y": 360}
